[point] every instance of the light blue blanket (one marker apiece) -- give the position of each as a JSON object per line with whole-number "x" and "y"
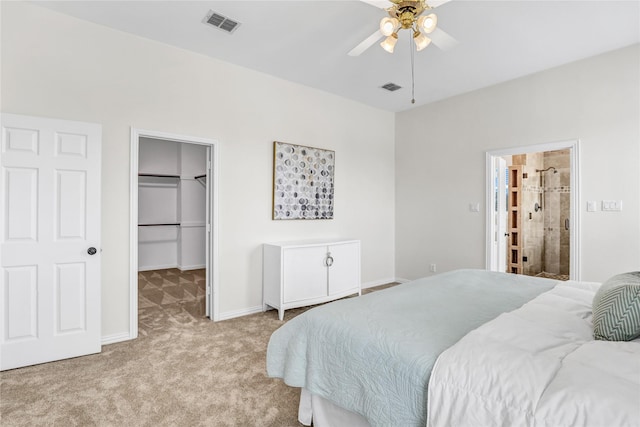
{"x": 373, "y": 354}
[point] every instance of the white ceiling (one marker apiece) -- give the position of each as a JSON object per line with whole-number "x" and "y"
{"x": 307, "y": 41}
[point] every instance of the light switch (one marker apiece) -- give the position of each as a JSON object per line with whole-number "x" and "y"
{"x": 474, "y": 207}
{"x": 612, "y": 205}
{"x": 592, "y": 206}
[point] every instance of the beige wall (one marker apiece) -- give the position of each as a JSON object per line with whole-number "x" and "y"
{"x": 440, "y": 162}
{"x": 60, "y": 67}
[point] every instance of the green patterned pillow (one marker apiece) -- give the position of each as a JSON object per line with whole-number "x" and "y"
{"x": 616, "y": 308}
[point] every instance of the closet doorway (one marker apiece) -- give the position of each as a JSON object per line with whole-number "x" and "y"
{"x": 173, "y": 227}
{"x": 533, "y": 215}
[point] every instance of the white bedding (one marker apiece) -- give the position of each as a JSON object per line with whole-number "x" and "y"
{"x": 538, "y": 366}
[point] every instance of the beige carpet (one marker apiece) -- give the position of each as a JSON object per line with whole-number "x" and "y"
{"x": 183, "y": 370}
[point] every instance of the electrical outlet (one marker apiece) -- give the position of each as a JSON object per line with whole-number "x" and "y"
{"x": 432, "y": 268}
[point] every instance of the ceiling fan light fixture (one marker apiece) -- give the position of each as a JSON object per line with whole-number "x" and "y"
{"x": 420, "y": 40}
{"x": 428, "y": 23}
{"x": 388, "y": 26}
{"x": 390, "y": 43}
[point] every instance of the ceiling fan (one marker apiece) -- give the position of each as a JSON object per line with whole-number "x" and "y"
{"x": 408, "y": 15}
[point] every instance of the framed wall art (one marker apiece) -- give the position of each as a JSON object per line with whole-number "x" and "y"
{"x": 302, "y": 182}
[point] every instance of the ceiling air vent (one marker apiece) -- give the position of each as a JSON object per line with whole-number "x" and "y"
{"x": 221, "y": 22}
{"x": 391, "y": 87}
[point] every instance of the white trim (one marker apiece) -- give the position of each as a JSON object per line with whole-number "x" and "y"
{"x": 133, "y": 235}
{"x": 379, "y": 282}
{"x": 191, "y": 267}
{"x": 114, "y": 338}
{"x": 490, "y": 202}
{"x": 167, "y": 266}
{"x": 157, "y": 267}
{"x": 239, "y": 313}
{"x": 136, "y": 134}
{"x": 575, "y": 224}
{"x": 253, "y": 310}
{"x": 214, "y": 301}
{"x": 401, "y": 280}
{"x": 575, "y": 227}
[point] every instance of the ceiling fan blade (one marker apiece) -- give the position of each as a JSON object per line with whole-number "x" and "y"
{"x": 366, "y": 44}
{"x": 380, "y": 4}
{"x": 442, "y": 39}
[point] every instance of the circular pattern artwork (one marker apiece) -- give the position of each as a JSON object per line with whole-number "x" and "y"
{"x": 302, "y": 182}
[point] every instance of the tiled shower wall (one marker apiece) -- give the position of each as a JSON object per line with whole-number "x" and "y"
{"x": 546, "y": 239}
{"x": 556, "y": 215}
{"x": 532, "y": 221}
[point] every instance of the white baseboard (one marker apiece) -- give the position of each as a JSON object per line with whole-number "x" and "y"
{"x": 253, "y": 310}
{"x": 378, "y": 282}
{"x": 157, "y": 267}
{"x": 179, "y": 267}
{"x": 114, "y": 338}
{"x": 239, "y": 313}
{"x": 191, "y": 267}
{"x": 401, "y": 280}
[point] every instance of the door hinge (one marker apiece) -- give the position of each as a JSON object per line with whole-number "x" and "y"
{"x": 208, "y": 290}
{"x": 208, "y": 228}
{"x": 208, "y": 164}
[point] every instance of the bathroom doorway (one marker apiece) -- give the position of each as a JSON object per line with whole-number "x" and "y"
{"x": 534, "y": 215}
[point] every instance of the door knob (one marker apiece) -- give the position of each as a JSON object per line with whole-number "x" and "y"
{"x": 92, "y": 251}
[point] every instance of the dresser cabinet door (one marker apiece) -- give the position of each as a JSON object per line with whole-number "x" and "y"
{"x": 344, "y": 273}
{"x": 305, "y": 273}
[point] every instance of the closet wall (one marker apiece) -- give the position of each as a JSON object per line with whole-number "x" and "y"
{"x": 171, "y": 205}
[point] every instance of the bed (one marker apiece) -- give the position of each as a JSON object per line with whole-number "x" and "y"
{"x": 538, "y": 366}
{"x": 369, "y": 361}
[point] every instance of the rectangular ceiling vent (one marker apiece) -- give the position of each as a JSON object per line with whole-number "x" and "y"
{"x": 221, "y": 22}
{"x": 391, "y": 87}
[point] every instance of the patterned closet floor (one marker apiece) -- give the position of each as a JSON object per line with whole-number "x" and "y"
{"x": 170, "y": 296}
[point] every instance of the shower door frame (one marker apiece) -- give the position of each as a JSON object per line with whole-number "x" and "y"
{"x": 573, "y": 146}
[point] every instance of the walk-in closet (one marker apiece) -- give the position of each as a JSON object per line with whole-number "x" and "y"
{"x": 172, "y": 230}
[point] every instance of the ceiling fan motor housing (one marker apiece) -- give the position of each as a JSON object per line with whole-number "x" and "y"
{"x": 407, "y": 12}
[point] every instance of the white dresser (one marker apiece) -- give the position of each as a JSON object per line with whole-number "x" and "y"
{"x": 301, "y": 273}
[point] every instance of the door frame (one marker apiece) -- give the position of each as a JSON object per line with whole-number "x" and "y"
{"x": 212, "y": 261}
{"x": 500, "y": 246}
{"x": 573, "y": 146}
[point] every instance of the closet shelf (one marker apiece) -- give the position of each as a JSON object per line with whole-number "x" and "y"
{"x": 155, "y": 175}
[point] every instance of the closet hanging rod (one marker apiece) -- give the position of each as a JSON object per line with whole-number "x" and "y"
{"x": 200, "y": 176}
{"x": 157, "y": 225}
{"x": 158, "y": 175}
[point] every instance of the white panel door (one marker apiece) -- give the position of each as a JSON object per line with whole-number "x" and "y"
{"x": 344, "y": 273}
{"x": 501, "y": 215}
{"x": 305, "y": 273}
{"x": 49, "y": 241}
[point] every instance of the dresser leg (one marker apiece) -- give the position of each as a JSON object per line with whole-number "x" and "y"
{"x": 281, "y": 314}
